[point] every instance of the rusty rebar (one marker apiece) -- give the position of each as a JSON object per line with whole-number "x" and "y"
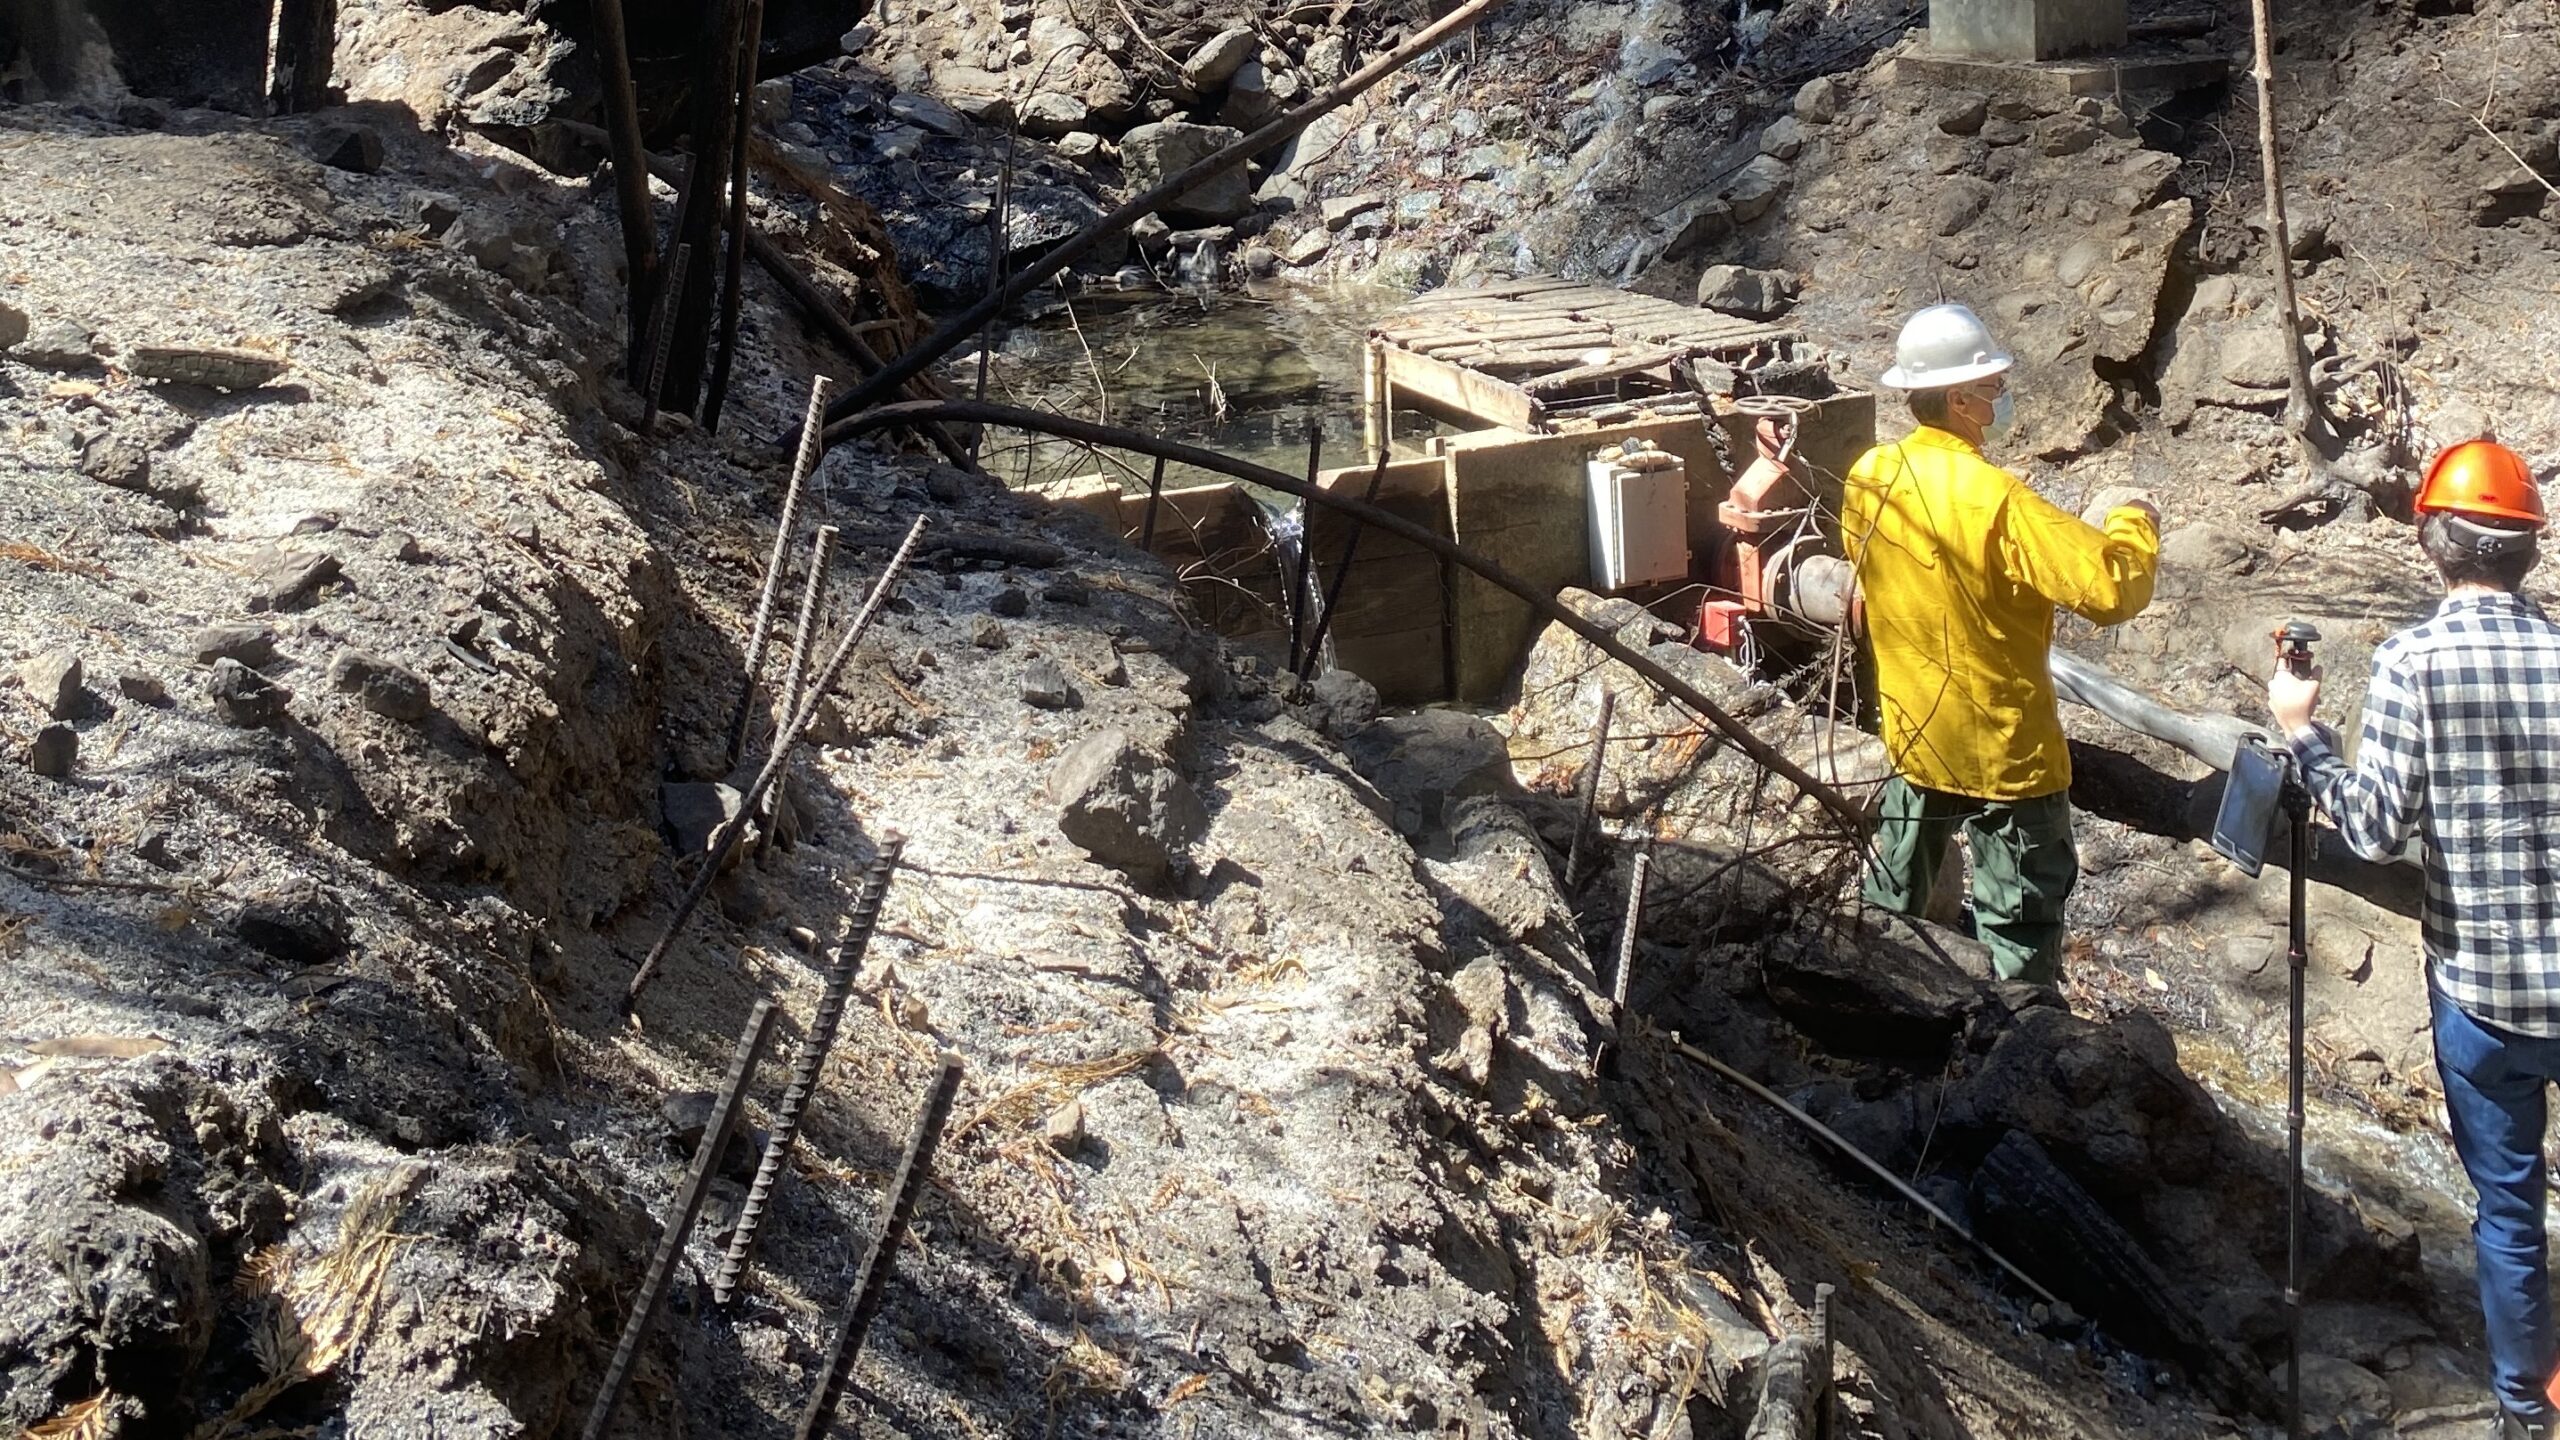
{"x": 662, "y": 333}
{"x": 1825, "y": 1381}
{"x": 1341, "y": 574}
{"x": 1639, "y": 870}
{"x": 726, "y": 838}
{"x": 802, "y": 461}
{"x": 822, "y": 551}
{"x": 871, "y": 1282}
{"x": 681, "y": 1213}
{"x": 806, "y": 1062}
{"x": 734, "y": 277}
{"x": 1589, "y": 799}
{"x": 1155, "y": 497}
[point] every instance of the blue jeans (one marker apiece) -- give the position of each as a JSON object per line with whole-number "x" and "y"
{"x": 2494, "y": 1096}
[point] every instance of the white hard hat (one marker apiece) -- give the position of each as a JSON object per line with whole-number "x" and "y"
{"x": 1944, "y": 345}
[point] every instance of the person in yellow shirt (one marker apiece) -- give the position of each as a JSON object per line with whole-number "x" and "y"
{"x": 1960, "y": 565}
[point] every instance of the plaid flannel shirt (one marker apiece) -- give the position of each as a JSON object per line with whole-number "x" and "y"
{"x": 2461, "y": 746}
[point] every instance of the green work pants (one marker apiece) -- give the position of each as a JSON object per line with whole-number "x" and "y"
{"x": 2024, "y": 866}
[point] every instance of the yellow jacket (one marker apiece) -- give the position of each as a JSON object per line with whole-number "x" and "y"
{"x": 1961, "y": 565}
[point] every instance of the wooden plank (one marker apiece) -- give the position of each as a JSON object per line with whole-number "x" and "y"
{"x": 1642, "y": 360}
{"x": 1464, "y": 391}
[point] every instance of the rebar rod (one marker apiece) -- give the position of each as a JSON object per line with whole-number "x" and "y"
{"x": 681, "y": 1213}
{"x": 1825, "y": 1378}
{"x": 726, "y": 838}
{"x": 734, "y": 277}
{"x": 630, "y": 173}
{"x": 957, "y": 330}
{"x": 662, "y": 334}
{"x": 806, "y": 1063}
{"x": 802, "y": 461}
{"x": 871, "y": 1282}
{"x": 1297, "y": 582}
{"x": 1587, "y": 798}
{"x": 1341, "y": 573}
{"x": 1640, "y": 870}
{"x": 1540, "y": 601}
{"x": 1155, "y": 497}
{"x": 795, "y": 675}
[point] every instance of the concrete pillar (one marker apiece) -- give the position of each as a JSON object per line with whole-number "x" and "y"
{"x": 2025, "y": 29}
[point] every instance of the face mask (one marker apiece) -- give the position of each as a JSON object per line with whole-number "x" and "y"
{"x": 2002, "y": 412}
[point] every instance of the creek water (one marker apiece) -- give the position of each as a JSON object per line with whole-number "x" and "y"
{"x": 1239, "y": 372}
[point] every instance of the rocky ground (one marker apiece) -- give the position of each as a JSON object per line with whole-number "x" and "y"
{"x": 372, "y": 667}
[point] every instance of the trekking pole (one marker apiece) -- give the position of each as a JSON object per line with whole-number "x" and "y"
{"x": 2293, "y": 651}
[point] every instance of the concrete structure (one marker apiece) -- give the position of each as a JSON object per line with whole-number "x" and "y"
{"x": 2025, "y": 29}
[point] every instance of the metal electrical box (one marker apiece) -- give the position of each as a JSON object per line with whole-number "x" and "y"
{"x": 1639, "y": 517}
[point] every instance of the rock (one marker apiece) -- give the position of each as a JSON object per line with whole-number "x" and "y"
{"x": 297, "y": 922}
{"x": 290, "y": 580}
{"x": 987, "y": 634}
{"x": 2339, "y": 1397}
{"x": 1126, "y": 807}
{"x": 1341, "y": 703}
{"x": 53, "y": 681}
{"x": 55, "y": 751}
{"x": 223, "y": 367}
{"x": 1754, "y": 191}
{"x": 2108, "y": 1100}
{"x": 1341, "y": 212}
{"x": 142, "y": 689}
{"x": 1085, "y": 148}
{"x": 1249, "y": 101}
{"x": 13, "y": 325}
{"x": 1417, "y": 207}
{"x": 926, "y": 113}
{"x": 858, "y": 39}
{"x": 118, "y": 460}
{"x": 251, "y": 645}
{"x": 1045, "y": 687}
{"x": 2207, "y": 549}
{"x": 1697, "y": 225}
{"x": 974, "y": 94}
{"x": 1151, "y": 235}
{"x": 2254, "y": 357}
{"x": 387, "y": 689}
{"x": 1818, "y": 101}
{"x": 2065, "y": 135}
{"x": 1051, "y": 113}
{"x": 688, "y": 1114}
{"x": 243, "y": 697}
{"x": 1784, "y": 138}
{"x": 2078, "y": 261}
{"x": 1308, "y": 248}
{"x": 1751, "y": 294}
{"x": 1063, "y": 1131}
{"x": 57, "y": 345}
{"x": 692, "y": 812}
{"x": 1963, "y": 115}
{"x": 353, "y": 148}
{"x": 1259, "y": 261}
{"x": 2109, "y": 498}
{"x": 1010, "y": 602}
{"x": 1219, "y": 58}
{"x": 773, "y": 100}
{"x": 1880, "y": 992}
{"x": 1151, "y": 153}
{"x": 1959, "y": 203}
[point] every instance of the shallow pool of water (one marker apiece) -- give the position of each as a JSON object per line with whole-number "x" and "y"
{"x": 1243, "y": 373}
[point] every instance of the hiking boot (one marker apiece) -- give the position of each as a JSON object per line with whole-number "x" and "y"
{"x": 2512, "y": 1427}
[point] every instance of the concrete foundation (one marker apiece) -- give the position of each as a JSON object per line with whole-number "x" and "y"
{"x": 2025, "y": 29}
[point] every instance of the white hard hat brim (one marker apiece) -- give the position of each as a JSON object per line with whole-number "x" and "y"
{"x": 1940, "y": 377}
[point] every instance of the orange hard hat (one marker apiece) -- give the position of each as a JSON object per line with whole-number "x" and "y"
{"x": 2484, "y": 478}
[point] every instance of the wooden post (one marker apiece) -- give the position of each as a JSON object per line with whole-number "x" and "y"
{"x": 630, "y": 172}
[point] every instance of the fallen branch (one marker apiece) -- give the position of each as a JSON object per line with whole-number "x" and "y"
{"x": 1760, "y": 751}
{"x": 956, "y": 331}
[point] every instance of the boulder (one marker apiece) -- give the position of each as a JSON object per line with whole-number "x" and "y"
{"x": 2207, "y": 549}
{"x": 13, "y": 326}
{"x": 1963, "y": 115}
{"x": 297, "y": 922}
{"x": 926, "y": 113}
{"x": 2107, "y": 1099}
{"x": 2254, "y": 357}
{"x": 1751, "y": 294}
{"x": 1249, "y": 99}
{"x": 1783, "y": 138}
{"x": 693, "y": 812}
{"x": 356, "y": 149}
{"x": 54, "y": 752}
{"x": 223, "y": 367}
{"x": 1151, "y": 153}
{"x": 1218, "y": 58}
{"x": 1045, "y": 687}
{"x": 1696, "y": 225}
{"x": 1878, "y": 992}
{"x": 1126, "y": 807}
{"x": 974, "y": 93}
{"x": 251, "y": 645}
{"x": 1308, "y": 248}
{"x": 1818, "y": 101}
{"x": 1958, "y": 203}
{"x": 1053, "y": 113}
{"x": 1339, "y": 213}
{"x": 290, "y": 580}
{"x": 57, "y": 345}
{"x": 1755, "y": 189}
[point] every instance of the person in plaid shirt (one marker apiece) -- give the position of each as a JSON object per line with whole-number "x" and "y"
{"x": 2461, "y": 747}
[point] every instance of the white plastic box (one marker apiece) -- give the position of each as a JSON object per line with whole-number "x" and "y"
{"x": 1639, "y": 519}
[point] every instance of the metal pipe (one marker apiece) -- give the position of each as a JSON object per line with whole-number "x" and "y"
{"x": 726, "y": 838}
{"x": 871, "y": 1283}
{"x": 682, "y": 1211}
{"x": 806, "y": 1063}
{"x": 802, "y": 462}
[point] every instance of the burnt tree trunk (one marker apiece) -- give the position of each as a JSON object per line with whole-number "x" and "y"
{"x": 306, "y": 47}
{"x": 704, "y": 211}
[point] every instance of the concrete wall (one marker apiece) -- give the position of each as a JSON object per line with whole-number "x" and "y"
{"x": 2025, "y": 29}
